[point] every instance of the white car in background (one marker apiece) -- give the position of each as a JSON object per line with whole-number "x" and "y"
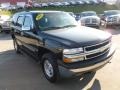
{"x": 4, "y": 5}
{"x": 37, "y": 5}
{"x": 86, "y": 1}
{"x": 57, "y": 4}
{"x": 50, "y": 4}
{"x": 5, "y": 23}
{"x": 72, "y": 3}
{"x": 80, "y": 2}
{"x": 21, "y": 4}
{"x": 44, "y": 5}
{"x": 90, "y": 19}
{"x": 111, "y": 17}
{"x": 95, "y": 2}
{"x": 65, "y": 3}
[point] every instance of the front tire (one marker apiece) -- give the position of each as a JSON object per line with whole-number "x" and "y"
{"x": 16, "y": 46}
{"x": 50, "y": 67}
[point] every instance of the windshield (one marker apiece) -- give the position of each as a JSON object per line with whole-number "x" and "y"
{"x": 88, "y": 14}
{"x": 50, "y": 21}
{"x": 109, "y": 13}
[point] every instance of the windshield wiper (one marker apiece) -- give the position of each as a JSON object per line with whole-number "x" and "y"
{"x": 69, "y": 26}
{"x": 49, "y": 28}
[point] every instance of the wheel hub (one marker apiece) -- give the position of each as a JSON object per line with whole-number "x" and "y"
{"x": 48, "y": 68}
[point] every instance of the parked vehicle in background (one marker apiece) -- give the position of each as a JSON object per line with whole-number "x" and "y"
{"x": 44, "y": 4}
{"x": 5, "y": 23}
{"x": 94, "y": 2}
{"x": 3, "y": 5}
{"x": 56, "y": 40}
{"x": 80, "y": 2}
{"x": 87, "y": 2}
{"x": 21, "y": 5}
{"x": 77, "y": 16}
{"x": 72, "y": 3}
{"x": 111, "y": 17}
{"x": 51, "y": 4}
{"x": 65, "y": 3}
{"x": 11, "y": 7}
{"x": 90, "y": 19}
{"x": 37, "y": 5}
{"x": 57, "y": 4}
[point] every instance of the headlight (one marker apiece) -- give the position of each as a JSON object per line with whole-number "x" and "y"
{"x": 109, "y": 19}
{"x": 73, "y": 51}
{"x": 73, "y": 55}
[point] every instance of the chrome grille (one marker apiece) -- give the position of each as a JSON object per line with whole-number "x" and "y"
{"x": 96, "y": 50}
{"x": 94, "y": 21}
{"x": 87, "y": 21}
{"x": 114, "y": 19}
{"x": 96, "y": 54}
{"x": 92, "y": 47}
{"x": 90, "y": 21}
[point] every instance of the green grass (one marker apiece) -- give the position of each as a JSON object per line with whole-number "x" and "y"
{"x": 76, "y": 9}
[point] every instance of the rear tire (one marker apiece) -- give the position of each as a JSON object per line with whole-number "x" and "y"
{"x": 50, "y": 67}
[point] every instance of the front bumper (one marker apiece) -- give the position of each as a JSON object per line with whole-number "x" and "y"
{"x": 93, "y": 67}
{"x": 92, "y": 25}
{"x": 89, "y": 65}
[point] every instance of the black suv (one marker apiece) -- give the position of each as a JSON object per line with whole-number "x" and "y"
{"x": 56, "y": 40}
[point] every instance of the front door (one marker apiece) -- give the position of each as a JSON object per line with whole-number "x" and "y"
{"x": 29, "y": 39}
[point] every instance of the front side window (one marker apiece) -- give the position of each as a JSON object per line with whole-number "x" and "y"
{"x": 49, "y": 21}
{"x": 20, "y": 21}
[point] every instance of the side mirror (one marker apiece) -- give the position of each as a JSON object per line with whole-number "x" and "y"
{"x": 26, "y": 28}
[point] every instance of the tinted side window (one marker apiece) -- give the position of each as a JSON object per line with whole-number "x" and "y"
{"x": 20, "y": 21}
{"x": 27, "y": 22}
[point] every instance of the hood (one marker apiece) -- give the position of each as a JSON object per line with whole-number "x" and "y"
{"x": 92, "y": 17}
{"x": 117, "y": 15}
{"x": 78, "y": 36}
